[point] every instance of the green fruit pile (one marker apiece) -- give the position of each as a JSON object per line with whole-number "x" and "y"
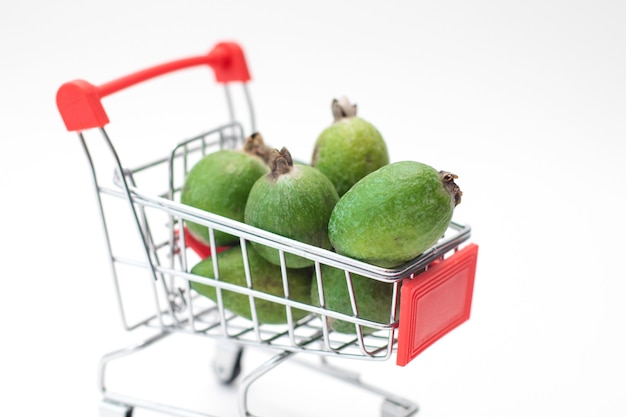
{"x": 350, "y": 199}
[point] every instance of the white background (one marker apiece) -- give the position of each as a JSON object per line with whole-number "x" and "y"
{"x": 524, "y": 101}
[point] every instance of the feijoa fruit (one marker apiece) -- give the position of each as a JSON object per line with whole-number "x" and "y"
{"x": 394, "y": 214}
{"x": 265, "y": 276}
{"x": 373, "y": 298}
{"x": 219, "y": 183}
{"x": 294, "y": 201}
{"x": 350, "y": 148}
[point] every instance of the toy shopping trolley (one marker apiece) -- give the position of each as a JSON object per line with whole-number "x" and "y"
{"x": 152, "y": 254}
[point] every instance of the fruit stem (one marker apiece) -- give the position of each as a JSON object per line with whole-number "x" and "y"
{"x": 447, "y": 179}
{"x": 255, "y": 145}
{"x": 280, "y": 162}
{"x": 342, "y": 109}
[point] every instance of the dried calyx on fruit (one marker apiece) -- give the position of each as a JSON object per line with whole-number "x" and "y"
{"x": 447, "y": 179}
{"x": 255, "y": 145}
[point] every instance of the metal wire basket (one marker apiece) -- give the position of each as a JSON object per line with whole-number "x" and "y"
{"x": 151, "y": 269}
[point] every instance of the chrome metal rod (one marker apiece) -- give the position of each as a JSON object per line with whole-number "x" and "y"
{"x": 273, "y": 362}
{"x": 124, "y": 352}
{"x": 164, "y": 409}
{"x": 352, "y": 377}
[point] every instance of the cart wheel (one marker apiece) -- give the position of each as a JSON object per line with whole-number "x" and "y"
{"x": 393, "y": 409}
{"x": 227, "y": 364}
{"x": 112, "y": 409}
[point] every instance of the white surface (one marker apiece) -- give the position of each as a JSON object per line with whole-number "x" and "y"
{"x": 525, "y": 101}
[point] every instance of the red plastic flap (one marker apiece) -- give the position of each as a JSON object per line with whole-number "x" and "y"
{"x": 435, "y": 302}
{"x": 203, "y": 250}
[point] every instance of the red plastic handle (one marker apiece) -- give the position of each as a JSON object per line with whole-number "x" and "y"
{"x": 79, "y": 102}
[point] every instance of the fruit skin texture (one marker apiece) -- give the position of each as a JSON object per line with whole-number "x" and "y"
{"x": 294, "y": 201}
{"x": 348, "y": 150}
{"x": 394, "y": 214}
{"x": 373, "y": 297}
{"x": 266, "y": 277}
{"x": 219, "y": 183}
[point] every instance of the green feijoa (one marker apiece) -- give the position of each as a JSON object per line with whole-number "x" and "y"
{"x": 350, "y": 148}
{"x": 219, "y": 183}
{"x": 294, "y": 201}
{"x": 394, "y": 214}
{"x": 373, "y": 298}
{"x": 266, "y": 277}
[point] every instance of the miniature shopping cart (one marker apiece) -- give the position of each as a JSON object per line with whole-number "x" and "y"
{"x": 431, "y": 295}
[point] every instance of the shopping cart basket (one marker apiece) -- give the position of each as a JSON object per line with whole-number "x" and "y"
{"x": 431, "y": 295}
